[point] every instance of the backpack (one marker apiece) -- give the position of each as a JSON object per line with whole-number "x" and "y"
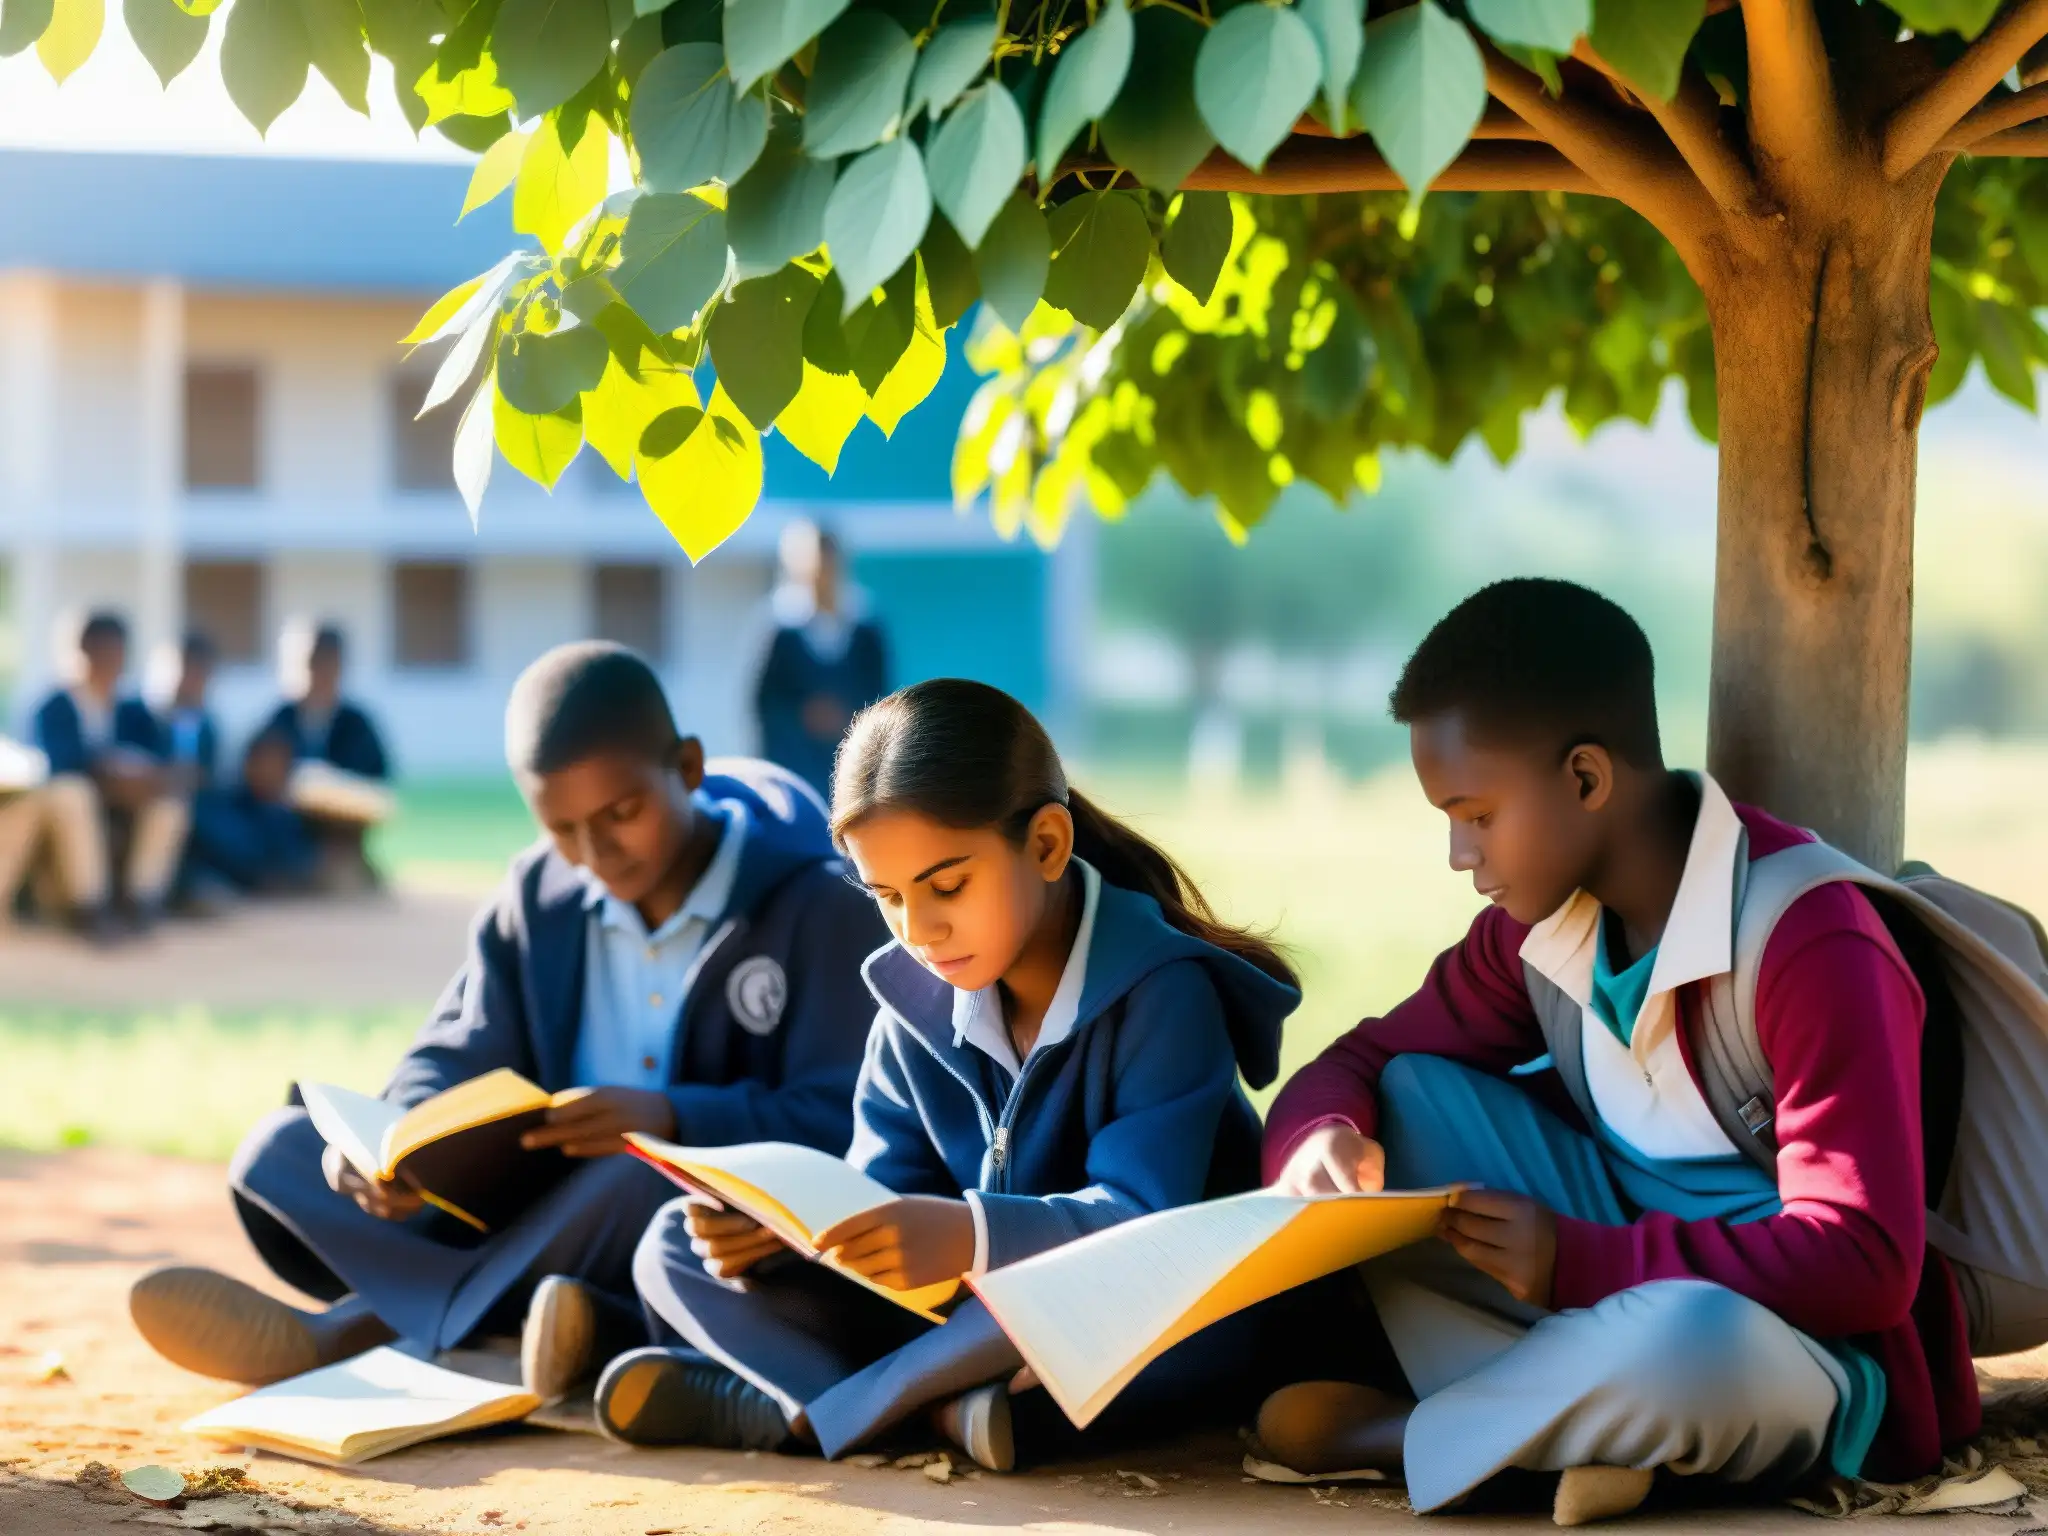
{"x": 1983, "y": 967}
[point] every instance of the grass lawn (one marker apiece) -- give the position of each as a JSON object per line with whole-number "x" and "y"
{"x": 1351, "y": 878}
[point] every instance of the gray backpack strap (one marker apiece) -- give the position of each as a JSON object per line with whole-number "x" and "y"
{"x": 1563, "y": 1023}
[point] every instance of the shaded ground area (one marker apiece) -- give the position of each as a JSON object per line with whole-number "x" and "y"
{"x": 75, "y": 1229}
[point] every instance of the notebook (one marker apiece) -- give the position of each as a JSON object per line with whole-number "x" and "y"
{"x": 458, "y": 1150}
{"x": 792, "y": 1191}
{"x": 371, "y": 1405}
{"x": 1089, "y": 1315}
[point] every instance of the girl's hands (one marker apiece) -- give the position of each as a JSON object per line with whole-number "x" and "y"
{"x": 909, "y": 1243}
{"x": 1334, "y": 1160}
{"x": 1509, "y": 1237}
{"x": 386, "y": 1201}
{"x": 728, "y": 1242}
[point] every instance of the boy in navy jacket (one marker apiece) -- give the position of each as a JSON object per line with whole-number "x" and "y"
{"x": 108, "y": 787}
{"x": 682, "y": 943}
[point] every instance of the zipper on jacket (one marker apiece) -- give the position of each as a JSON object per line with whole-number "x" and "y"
{"x": 1001, "y": 1149}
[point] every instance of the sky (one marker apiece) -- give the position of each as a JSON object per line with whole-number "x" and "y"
{"x": 115, "y": 102}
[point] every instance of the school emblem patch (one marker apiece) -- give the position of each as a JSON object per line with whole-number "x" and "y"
{"x": 757, "y": 991}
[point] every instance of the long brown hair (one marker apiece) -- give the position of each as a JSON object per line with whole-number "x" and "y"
{"x": 967, "y": 755}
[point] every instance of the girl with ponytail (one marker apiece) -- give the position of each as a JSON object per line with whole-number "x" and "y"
{"x": 1063, "y": 1027}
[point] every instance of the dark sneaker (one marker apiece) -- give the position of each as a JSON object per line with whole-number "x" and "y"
{"x": 214, "y": 1324}
{"x": 979, "y": 1423}
{"x": 681, "y": 1397}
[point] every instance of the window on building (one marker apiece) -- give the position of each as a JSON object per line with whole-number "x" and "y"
{"x": 221, "y": 427}
{"x": 224, "y": 602}
{"x": 422, "y": 449}
{"x": 630, "y": 606}
{"x": 430, "y": 614}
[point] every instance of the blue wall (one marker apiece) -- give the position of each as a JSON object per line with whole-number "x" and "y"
{"x": 979, "y": 614}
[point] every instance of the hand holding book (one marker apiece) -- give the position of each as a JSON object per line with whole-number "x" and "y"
{"x": 593, "y": 1122}
{"x": 910, "y": 1243}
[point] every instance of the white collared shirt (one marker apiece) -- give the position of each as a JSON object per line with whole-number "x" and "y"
{"x": 978, "y": 1016}
{"x": 1643, "y": 1091}
{"x": 635, "y": 982}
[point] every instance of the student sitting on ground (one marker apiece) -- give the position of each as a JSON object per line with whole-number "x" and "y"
{"x": 683, "y": 941}
{"x": 1061, "y": 1029}
{"x": 109, "y": 793}
{"x": 1634, "y": 1293}
{"x": 190, "y": 736}
{"x": 346, "y": 793}
{"x": 246, "y": 838}
{"x": 23, "y": 773}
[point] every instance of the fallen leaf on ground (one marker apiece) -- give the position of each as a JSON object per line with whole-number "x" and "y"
{"x": 867, "y": 1459}
{"x": 157, "y": 1485}
{"x": 50, "y": 1367}
{"x": 939, "y": 1470}
{"x": 915, "y": 1460}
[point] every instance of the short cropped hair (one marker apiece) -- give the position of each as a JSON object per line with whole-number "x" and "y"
{"x": 1538, "y": 661}
{"x": 198, "y": 647}
{"x": 582, "y": 699}
{"x": 327, "y": 637}
{"x": 100, "y": 625}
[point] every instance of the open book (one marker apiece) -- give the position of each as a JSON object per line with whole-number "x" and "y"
{"x": 792, "y": 1191}
{"x": 1089, "y": 1315}
{"x": 377, "y": 1402}
{"x": 459, "y": 1150}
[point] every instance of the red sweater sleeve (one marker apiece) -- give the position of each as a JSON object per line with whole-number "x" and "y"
{"x": 1474, "y": 1007}
{"x": 1839, "y": 1018}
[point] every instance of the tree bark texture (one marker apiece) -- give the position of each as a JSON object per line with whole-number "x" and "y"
{"x": 1823, "y": 344}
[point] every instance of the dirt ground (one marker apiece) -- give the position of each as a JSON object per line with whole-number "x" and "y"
{"x": 77, "y": 1228}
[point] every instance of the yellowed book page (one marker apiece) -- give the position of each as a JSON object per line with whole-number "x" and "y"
{"x": 1263, "y": 1243}
{"x": 375, "y": 1401}
{"x": 354, "y": 1122}
{"x": 795, "y": 1192}
{"x": 492, "y": 1096}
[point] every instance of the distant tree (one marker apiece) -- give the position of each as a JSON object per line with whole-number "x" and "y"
{"x": 823, "y": 187}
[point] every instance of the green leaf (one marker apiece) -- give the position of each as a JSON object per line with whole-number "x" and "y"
{"x": 495, "y": 170}
{"x": 879, "y": 331}
{"x": 1969, "y": 17}
{"x": 547, "y": 49}
{"x": 475, "y": 134}
{"x": 689, "y": 125}
{"x": 1255, "y": 74}
{"x": 557, "y": 187}
{"x": 876, "y": 216}
{"x": 334, "y": 29}
{"x": 165, "y": 34}
{"x": 264, "y": 56}
{"x": 1955, "y": 333}
{"x": 22, "y": 22}
{"x": 1101, "y": 244}
{"x": 763, "y": 35}
{"x": 948, "y": 272}
{"x": 1155, "y": 131}
{"x": 539, "y": 447}
{"x": 1197, "y": 242}
{"x": 672, "y": 258}
{"x": 777, "y": 212}
{"x": 951, "y": 60}
{"x": 1013, "y": 261}
{"x": 1646, "y": 40}
{"x": 1339, "y": 26}
{"x": 757, "y": 342}
{"x": 823, "y": 415}
{"x": 975, "y": 159}
{"x": 855, "y": 98}
{"x": 915, "y": 374}
{"x": 710, "y": 485}
{"x": 463, "y": 79}
{"x": 1091, "y": 70}
{"x": 669, "y": 431}
{"x": 618, "y": 412}
{"x": 1420, "y": 91}
{"x": 824, "y": 338}
{"x": 2005, "y": 341}
{"x": 1333, "y": 376}
{"x": 1552, "y": 25}
{"x": 540, "y": 373}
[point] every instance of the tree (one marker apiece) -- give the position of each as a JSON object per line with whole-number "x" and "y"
{"x": 823, "y": 187}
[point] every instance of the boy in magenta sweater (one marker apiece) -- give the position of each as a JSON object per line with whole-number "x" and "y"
{"x": 1622, "y": 1290}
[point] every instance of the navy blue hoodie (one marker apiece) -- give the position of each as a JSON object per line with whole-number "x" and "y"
{"x": 769, "y": 1036}
{"x": 1137, "y": 1109}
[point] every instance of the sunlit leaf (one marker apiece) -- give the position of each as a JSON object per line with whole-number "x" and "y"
{"x": 757, "y": 342}
{"x": 709, "y": 486}
{"x": 494, "y": 172}
{"x": 556, "y": 187}
{"x": 824, "y": 413}
{"x": 539, "y": 447}
{"x": 334, "y": 33}
{"x": 915, "y": 375}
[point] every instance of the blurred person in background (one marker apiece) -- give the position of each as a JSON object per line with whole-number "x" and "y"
{"x": 191, "y": 736}
{"x": 246, "y": 836}
{"x": 116, "y": 818}
{"x": 340, "y": 785}
{"x": 23, "y": 773}
{"x": 827, "y": 662}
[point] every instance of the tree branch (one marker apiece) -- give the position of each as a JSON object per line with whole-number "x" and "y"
{"x": 1692, "y": 121}
{"x": 1920, "y": 125}
{"x": 2007, "y": 110}
{"x": 1642, "y": 171}
{"x": 2029, "y": 141}
{"x": 1304, "y": 165}
{"x": 1500, "y": 121}
{"x": 1794, "y": 124}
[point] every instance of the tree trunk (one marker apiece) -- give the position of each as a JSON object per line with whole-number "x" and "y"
{"x": 1823, "y": 346}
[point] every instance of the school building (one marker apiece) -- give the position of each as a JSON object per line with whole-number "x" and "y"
{"x": 206, "y": 421}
